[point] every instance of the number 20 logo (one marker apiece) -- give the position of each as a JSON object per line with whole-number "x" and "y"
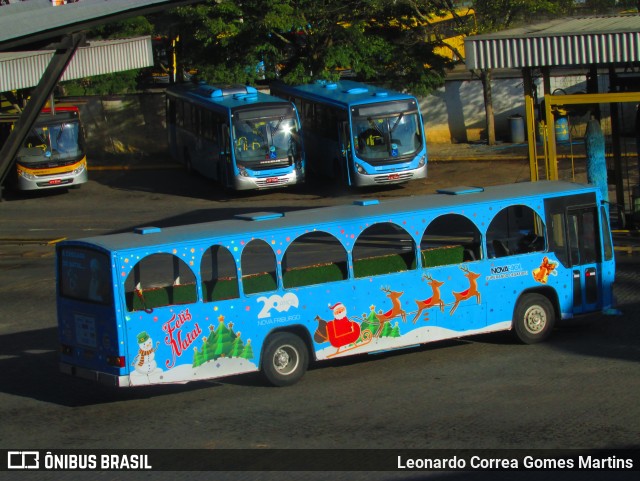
{"x": 279, "y": 303}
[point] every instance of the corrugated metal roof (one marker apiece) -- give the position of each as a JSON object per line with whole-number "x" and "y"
{"x": 19, "y": 70}
{"x": 565, "y": 42}
{"x": 33, "y": 19}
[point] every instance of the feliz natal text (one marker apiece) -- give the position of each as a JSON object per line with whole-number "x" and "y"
{"x": 178, "y": 339}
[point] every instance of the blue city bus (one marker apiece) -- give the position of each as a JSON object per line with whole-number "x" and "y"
{"x": 272, "y": 291}
{"x": 359, "y": 134}
{"x": 241, "y": 137}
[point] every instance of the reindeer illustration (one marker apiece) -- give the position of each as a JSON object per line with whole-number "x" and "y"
{"x": 468, "y": 293}
{"x": 394, "y": 312}
{"x": 434, "y": 300}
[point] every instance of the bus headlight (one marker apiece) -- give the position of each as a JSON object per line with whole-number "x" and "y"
{"x": 78, "y": 170}
{"x": 423, "y": 160}
{"x": 26, "y": 175}
{"x": 243, "y": 172}
{"x": 360, "y": 169}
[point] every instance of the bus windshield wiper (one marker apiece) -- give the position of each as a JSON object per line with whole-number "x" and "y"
{"x": 397, "y": 122}
{"x": 374, "y": 126}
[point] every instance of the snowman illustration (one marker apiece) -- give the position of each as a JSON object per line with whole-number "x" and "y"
{"x": 144, "y": 362}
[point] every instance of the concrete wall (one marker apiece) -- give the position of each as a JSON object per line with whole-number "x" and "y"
{"x": 128, "y": 124}
{"x": 455, "y": 113}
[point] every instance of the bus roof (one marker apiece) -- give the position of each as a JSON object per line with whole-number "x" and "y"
{"x": 228, "y": 97}
{"x": 308, "y": 219}
{"x": 344, "y": 93}
{"x": 61, "y": 114}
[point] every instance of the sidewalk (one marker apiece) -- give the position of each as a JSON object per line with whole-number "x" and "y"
{"x": 476, "y": 151}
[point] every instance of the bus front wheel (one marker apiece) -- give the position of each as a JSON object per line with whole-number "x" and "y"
{"x": 533, "y": 318}
{"x": 285, "y": 359}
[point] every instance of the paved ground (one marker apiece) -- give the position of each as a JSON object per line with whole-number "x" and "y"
{"x": 525, "y": 395}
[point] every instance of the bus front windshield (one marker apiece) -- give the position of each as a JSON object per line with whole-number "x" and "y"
{"x": 385, "y": 132}
{"x": 51, "y": 143}
{"x": 266, "y": 141}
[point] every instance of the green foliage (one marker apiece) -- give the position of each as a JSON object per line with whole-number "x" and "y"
{"x": 298, "y": 41}
{"x": 108, "y": 84}
{"x": 497, "y": 15}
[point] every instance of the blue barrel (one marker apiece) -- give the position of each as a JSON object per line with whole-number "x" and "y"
{"x": 516, "y": 126}
{"x": 562, "y": 129}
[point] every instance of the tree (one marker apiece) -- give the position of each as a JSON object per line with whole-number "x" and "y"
{"x": 495, "y": 15}
{"x": 303, "y": 40}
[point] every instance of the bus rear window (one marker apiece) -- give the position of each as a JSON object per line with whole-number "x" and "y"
{"x": 84, "y": 275}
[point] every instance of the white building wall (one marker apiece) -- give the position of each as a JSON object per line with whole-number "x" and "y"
{"x": 455, "y": 113}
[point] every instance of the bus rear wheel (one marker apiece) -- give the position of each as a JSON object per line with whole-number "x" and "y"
{"x": 533, "y": 318}
{"x": 285, "y": 359}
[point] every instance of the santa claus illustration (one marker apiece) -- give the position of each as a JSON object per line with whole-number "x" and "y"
{"x": 340, "y": 331}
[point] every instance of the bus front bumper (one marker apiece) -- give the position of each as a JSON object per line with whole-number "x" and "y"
{"x": 383, "y": 178}
{"x": 271, "y": 182}
{"x": 28, "y": 179}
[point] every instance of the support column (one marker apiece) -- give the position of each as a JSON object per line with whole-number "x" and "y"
{"x": 615, "y": 144}
{"x": 530, "y": 120}
{"x": 551, "y": 160}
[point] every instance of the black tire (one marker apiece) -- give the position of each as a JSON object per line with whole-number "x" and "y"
{"x": 284, "y": 360}
{"x": 533, "y": 318}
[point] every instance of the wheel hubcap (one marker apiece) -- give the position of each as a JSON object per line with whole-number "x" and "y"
{"x": 285, "y": 359}
{"x": 535, "y": 319}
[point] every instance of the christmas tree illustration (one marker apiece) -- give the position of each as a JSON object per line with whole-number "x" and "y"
{"x": 197, "y": 357}
{"x": 395, "y": 332}
{"x": 247, "y": 352}
{"x": 386, "y": 330}
{"x": 223, "y": 339}
{"x": 237, "y": 347}
{"x": 221, "y": 342}
{"x": 370, "y": 321}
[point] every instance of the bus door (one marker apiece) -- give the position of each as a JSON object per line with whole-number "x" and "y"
{"x": 583, "y": 238}
{"x": 345, "y": 154}
{"x": 225, "y": 165}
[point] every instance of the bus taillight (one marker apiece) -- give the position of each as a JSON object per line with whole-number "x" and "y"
{"x": 116, "y": 361}
{"x": 66, "y": 350}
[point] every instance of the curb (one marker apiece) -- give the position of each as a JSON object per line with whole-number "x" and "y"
{"x": 105, "y": 168}
{"x": 31, "y": 241}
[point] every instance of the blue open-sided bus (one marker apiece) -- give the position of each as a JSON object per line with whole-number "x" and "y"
{"x": 271, "y": 291}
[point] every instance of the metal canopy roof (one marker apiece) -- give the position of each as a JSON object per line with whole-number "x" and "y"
{"x": 566, "y": 42}
{"x": 27, "y": 22}
{"x": 19, "y": 70}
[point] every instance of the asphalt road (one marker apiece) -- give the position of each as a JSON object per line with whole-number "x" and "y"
{"x": 579, "y": 390}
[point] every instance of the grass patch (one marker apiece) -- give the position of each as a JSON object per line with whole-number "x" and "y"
{"x": 220, "y": 289}
{"x": 442, "y": 256}
{"x": 375, "y": 266}
{"x": 318, "y": 274}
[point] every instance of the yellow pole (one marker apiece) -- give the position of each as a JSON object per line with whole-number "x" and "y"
{"x": 530, "y": 117}
{"x": 552, "y": 161}
{"x": 530, "y": 120}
